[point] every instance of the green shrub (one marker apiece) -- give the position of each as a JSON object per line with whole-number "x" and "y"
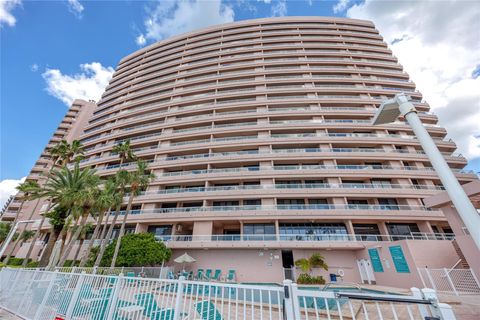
{"x": 15, "y": 261}
{"x": 70, "y": 263}
{"x": 32, "y": 264}
{"x": 136, "y": 250}
{"x": 305, "y": 278}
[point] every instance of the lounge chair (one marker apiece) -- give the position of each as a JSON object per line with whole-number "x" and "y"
{"x": 217, "y": 274}
{"x": 199, "y": 275}
{"x": 130, "y": 274}
{"x": 208, "y": 274}
{"x": 171, "y": 275}
{"x": 147, "y": 300}
{"x": 230, "y": 276}
{"x": 207, "y": 311}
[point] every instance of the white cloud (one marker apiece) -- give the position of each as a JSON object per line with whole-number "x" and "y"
{"x": 340, "y": 6}
{"x": 169, "y": 18}
{"x": 7, "y": 188}
{"x": 279, "y": 9}
{"x": 87, "y": 85}
{"x": 75, "y": 7}
{"x": 438, "y": 43}
{"x": 6, "y": 16}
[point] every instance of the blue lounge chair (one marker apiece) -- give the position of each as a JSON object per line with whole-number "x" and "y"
{"x": 217, "y": 274}
{"x": 151, "y": 309}
{"x": 207, "y": 311}
{"x": 230, "y": 276}
{"x": 208, "y": 274}
{"x": 199, "y": 274}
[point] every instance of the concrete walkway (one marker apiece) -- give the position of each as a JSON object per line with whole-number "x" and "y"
{"x": 4, "y": 315}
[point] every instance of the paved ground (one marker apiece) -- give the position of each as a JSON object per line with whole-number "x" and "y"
{"x": 4, "y": 315}
{"x": 465, "y": 307}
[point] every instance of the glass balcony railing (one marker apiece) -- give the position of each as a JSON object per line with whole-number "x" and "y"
{"x": 296, "y": 207}
{"x": 295, "y": 186}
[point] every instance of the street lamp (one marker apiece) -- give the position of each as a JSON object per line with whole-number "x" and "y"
{"x": 400, "y": 105}
{"x": 11, "y": 233}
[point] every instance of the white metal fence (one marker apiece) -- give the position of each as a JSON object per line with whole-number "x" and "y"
{"x": 456, "y": 281}
{"x": 42, "y": 295}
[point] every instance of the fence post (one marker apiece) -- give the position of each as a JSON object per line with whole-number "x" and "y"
{"x": 94, "y": 270}
{"x": 295, "y": 301}
{"x": 441, "y": 310}
{"x": 28, "y": 288}
{"x": 76, "y": 292}
{"x": 288, "y": 312}
{"x": 430, "y": 279}
{"x": 45, "y": 297}
{"x": 179, "y": 298}
{"x": 447, "y": 275}
{"x": 113, "y": 300}
{"x": 421, "y": 308}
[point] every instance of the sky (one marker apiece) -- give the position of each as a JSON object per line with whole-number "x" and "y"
{"x": 52, "y": 52}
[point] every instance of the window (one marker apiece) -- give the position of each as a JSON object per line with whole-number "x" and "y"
{"x": 259, "y": 231}
{"x": 402, "y": 230}
{"x": 388, "y": 204}
{"x": 312, "y": 231}
{"x": 161, "y": 233}
{"x": 366, "y": 232}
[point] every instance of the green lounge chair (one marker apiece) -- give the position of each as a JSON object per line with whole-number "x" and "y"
{"x": 230, "y": 276}
{"x": 199, "y": 274}
{"x": 130, "y": 274}
{"x": 147, "y": 300}
{"x": 207, "y": 311}
{"x": 208, "y": 274}
{"x": 217, "y": 274}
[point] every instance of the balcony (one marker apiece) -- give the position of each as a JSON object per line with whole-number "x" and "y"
{"x": 314, "y": 241}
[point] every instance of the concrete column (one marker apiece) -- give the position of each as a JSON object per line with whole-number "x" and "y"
{"x": 349, "y": 225}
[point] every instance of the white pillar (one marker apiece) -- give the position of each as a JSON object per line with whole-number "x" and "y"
{"x": 460, "y": 200}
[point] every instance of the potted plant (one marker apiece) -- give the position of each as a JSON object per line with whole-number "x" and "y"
{"x": 306, "y": 265}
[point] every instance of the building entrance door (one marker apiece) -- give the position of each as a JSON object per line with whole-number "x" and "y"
{"x": 366, "y": 271}
{"x": 288, "y": 265}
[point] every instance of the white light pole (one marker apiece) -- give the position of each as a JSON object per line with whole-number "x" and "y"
{"x": 400, "y": 105}
{"x": 10, "y": 235}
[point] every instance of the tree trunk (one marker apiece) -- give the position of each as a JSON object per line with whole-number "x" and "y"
{"x": 79, "y": 248}
{"x": 22, "y": 233}
{"x": 122, "y": 230}
{"x": 18, "y": 212}
{"x": 73, "y": 239}
{"x": 17, "y": 241}
{"x": 103, "y": 245}
{"x": 105, "y": 226}
{"x": 34, "y": 240}
{"x": 49, "y": 247}
{"x": 90, "y": 244}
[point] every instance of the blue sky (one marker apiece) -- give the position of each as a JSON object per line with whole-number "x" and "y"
{"x": 43, "y": 45}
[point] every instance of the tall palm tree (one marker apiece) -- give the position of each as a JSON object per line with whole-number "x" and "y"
{"x": 139, "y": 180}
{"x": 83, "y": 236}
{"x": 124, "y": 151}
{"x": 61, "y": 154}
{"x": 122, "y": 180}
{"x": 27, "y": 188}
{"x": 107, "y": 199}
{"x": 83, "y": 198}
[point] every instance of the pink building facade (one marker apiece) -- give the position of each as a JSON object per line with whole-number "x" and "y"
{"x": 260, "y": 138}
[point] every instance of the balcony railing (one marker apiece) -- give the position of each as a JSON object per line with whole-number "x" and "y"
{"x": 296, "y": 207}
{"x": 294, "y": 186}
{"x": 316, "y": 237}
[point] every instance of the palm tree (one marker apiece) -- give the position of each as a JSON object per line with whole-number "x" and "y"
{"x": 107, "y": 199}
{"x": 122, "y": 179}
{"x": 124, "y": 151}
{"x": 61, "y": 154}
{"x": 315, "y": 261}
{"x": 83, "y": 235}
{"x": 139, "y": 180}
{"x": 28, "y": 188}
{"x": 83, "y": 198}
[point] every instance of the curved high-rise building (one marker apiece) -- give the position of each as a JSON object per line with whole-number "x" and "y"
{"x": 259, "y": 134}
